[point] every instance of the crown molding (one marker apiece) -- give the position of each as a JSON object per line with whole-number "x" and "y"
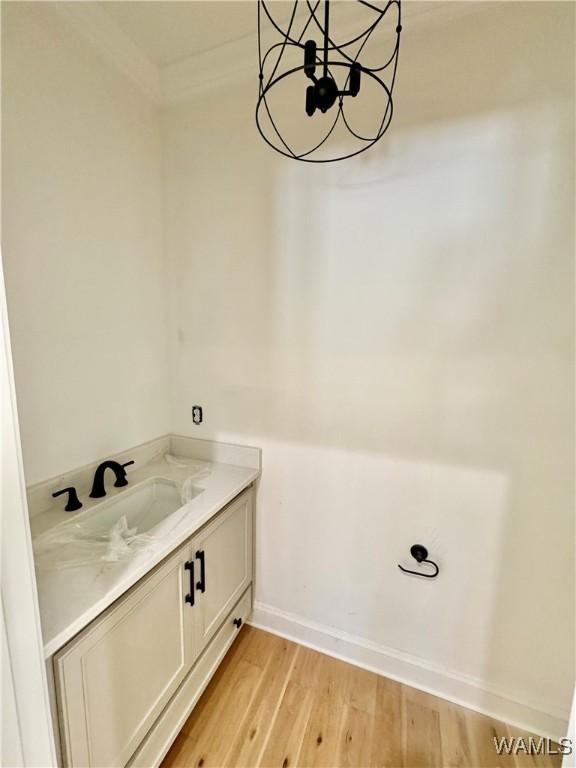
{"x": 99, "y": 29}
{"x": 226, "y": 64}
{"x": 222, "y": 65}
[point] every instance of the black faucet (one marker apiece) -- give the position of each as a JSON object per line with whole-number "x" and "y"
{"x": 98, "y": 489}
{"x": 73, "y": 503}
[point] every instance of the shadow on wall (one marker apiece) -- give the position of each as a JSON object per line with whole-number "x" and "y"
{"x": 419, "y": 312}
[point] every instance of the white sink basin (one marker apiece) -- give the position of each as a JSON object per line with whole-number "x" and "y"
{"x": 144, "y": 507}
{"x": 115, "y": 529}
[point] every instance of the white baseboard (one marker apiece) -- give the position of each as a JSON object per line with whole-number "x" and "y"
{"x": 410, "y": 670}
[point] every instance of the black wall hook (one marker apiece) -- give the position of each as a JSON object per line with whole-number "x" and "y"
{"x": 420, "y": 554}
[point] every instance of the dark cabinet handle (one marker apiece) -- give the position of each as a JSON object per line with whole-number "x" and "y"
{"x": 237, "y": 623}
{"x": 201, "y": 584}
{"x": 189, "y": 566}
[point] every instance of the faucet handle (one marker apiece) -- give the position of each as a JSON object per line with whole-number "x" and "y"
{"x": 122, "y": 481}
{"x": 73, "y": 502}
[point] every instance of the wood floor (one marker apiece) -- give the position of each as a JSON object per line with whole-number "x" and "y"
{"x": 275, "y": 703}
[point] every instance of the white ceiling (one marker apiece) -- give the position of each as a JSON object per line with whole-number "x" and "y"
{"x": 168, "y": 31}
{"x": 174, "y": 48}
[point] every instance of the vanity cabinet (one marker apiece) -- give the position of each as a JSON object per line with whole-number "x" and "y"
{"x": 114, "y": 679}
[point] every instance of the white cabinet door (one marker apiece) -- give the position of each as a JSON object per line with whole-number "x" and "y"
{"x": 223, "y": 556}
{"x": 117, "y": 675}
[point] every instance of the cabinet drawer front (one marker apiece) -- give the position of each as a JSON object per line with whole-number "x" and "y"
{"x": 226, "y": 548}
{"x": 115, "y": 678}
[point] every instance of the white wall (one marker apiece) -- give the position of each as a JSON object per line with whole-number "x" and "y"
{"x": 396, "y": 332}
{"x": 82, "y": 246}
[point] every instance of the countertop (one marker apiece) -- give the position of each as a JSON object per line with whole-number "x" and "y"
{"x": 71, "y": 597}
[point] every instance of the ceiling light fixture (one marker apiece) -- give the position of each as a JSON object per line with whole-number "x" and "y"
{"x": 347, "y": 97}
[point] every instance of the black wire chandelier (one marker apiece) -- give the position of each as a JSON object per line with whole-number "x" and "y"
{"x": 330, "y": 81}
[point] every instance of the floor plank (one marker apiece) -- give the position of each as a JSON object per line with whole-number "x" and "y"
{"x": 251, "y": 737}
{"x": 386, "y": 746}
{"x": 422, "y": 740}
{"x": 354, "y": 746}
{"x": 275, "y": 704}
{"x": 483, "y": 731}
{"x": 285, "y": 739}
{"x": 320, "y": 744}
{"x": 456, "y": 748}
